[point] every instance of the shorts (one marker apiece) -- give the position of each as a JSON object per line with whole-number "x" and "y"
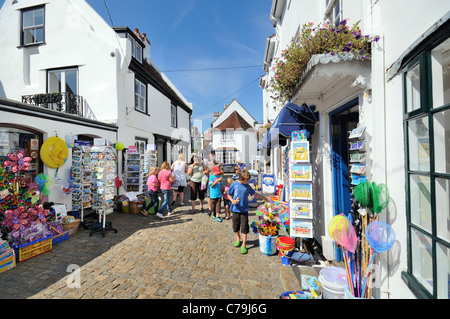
{"x": 180, "y": 189}
{"x": 227, "y": 202}
{"x": 215, "y": 205}
{"x": 196, "y": 190}
{"x": 240, "y": 222}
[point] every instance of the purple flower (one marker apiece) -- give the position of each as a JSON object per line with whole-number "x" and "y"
{"x": 376, "y": 39}
{"x": 350, "y": 44}
{"x": 332, "y": 52}
{"x": 364, "y": 57}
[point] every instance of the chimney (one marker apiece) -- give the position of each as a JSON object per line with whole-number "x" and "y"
{"x": 143, "y": 37}
{"x": 215, "y": 116}
{"x": 225, "y": 107}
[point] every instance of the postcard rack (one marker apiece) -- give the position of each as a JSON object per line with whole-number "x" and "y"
{"x": 357, "y": 157}
{"x": 103, "y": 184}
{"x": 81, "y": 175}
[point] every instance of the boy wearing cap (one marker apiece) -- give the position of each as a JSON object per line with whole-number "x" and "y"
{"x": 215, "y": 192}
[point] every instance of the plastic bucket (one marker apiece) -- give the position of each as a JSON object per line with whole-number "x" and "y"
{"x": 285, "y": 247}
{"x": 268, "y": 244}
{"x": 333, "y": 281}
{"x": 348, "y": 295}
{"x": 135, "y": 208}
{"x": 126, "y": 206}
{"x": 152, "y": 209}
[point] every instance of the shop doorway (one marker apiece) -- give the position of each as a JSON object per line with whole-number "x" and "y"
{"x": 342, "y": 121}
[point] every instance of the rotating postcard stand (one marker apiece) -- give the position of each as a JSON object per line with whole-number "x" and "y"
{"x": 81, "y": 176}
{"x": 103, "y": 183}
{"x": 300, "y": 190}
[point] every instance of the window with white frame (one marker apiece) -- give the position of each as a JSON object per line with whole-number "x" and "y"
{"x": 140, "y": 96}
{"x": 173, "y": 115}
{"x": 33, "y": 27}
{"x": 136, "y": 49}
{"x": 141, "y": 144}
{"x": 333, "y": 11}
{"x": 228, "y": 135}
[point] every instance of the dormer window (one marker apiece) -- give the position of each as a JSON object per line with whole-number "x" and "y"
{"x": 33, "y": 27}
{"x": 136, "y": 49}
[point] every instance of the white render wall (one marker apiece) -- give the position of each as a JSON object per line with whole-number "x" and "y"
{"x": 51, "y": 128}
{"x": 399, "y": 24}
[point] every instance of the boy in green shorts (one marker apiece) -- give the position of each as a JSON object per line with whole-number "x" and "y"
{"x": 239, "y": 192}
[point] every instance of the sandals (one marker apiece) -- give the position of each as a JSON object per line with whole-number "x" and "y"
{"x": 144, "y": 212}
{"x": 243, "y": 250}
{"x": 192, "y": 212}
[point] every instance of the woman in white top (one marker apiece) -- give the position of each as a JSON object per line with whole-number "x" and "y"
{"x": 179, "y": 169}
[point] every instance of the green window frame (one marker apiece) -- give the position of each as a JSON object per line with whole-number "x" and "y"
{"x": 427, "y": 156}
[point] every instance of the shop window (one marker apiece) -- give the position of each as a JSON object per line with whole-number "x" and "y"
{"x": 33, "y": 27}
{"x": 15, "y": 138}
{"x": 426, "y": 80}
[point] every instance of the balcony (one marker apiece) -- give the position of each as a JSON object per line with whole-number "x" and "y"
{"x": 63, "y": 102}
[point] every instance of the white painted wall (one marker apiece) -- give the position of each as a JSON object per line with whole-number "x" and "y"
{"x": 400, "y": 24}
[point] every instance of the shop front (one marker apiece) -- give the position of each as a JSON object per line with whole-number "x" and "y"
{"x": 36, "y": 155}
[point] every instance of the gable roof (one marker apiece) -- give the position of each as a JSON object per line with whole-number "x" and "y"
{"x": 234, "y": 121}
{"x": 236, "y": 106}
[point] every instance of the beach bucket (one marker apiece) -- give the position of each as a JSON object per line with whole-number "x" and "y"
{"x": 285, "y": 247}
{"x": 268, "y": 244}
{"x": 126, "y": 206}
{"x": 333, "y": 281}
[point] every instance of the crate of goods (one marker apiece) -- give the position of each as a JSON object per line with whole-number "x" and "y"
{"x": 70, "y": 224}
{"x": 60, "y": 237}
{"x": 37, "y": 247}
{"x": 7, "y": 257}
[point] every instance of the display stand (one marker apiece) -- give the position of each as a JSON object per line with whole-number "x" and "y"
{"x": 133, "y": 170}
{"x": 300, "y": 192}
{"x": 81, "y": 179}
{"x": 357, "y": 156}
{"x": 103, "y": 184}
{"x": 148, "y": 159}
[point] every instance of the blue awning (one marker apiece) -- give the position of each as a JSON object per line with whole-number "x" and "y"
{"x": 291, "y": 118}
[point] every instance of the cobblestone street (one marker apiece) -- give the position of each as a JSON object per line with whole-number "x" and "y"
{"x": 181, "y": 256}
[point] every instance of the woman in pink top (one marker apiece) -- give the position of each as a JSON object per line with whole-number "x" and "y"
{"x": 153, "y": 188}
{"x": 166, "y": 178}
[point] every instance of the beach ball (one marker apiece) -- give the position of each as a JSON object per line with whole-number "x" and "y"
{"x": 119, "y": 146}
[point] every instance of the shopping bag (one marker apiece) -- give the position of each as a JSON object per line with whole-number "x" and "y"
{"x": 204, "y": 182}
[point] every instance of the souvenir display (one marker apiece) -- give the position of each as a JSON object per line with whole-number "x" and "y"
{"x": 103, "y": 185}
{"x": 357, "y": 156}
{"x": 81, "y": 178}
{"x": 300, "y": 188}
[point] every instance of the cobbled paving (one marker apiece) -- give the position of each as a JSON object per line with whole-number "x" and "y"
{"x": 182, "y": 256}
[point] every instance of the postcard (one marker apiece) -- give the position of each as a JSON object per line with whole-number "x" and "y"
{"x": 302, "y": 229}
{"x": 300, "y": 151}
{"x": 301, "y": 172}
{"x": 301, "y": 209}
{"x": 301, "y": 191}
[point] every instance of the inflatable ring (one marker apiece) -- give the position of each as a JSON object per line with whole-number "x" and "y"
{"x": 54, "y": 152}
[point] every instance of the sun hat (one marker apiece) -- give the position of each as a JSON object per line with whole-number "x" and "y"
{"x": 216, "y": 169}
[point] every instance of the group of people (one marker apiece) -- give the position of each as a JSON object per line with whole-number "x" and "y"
{"x": 207, "y": 182}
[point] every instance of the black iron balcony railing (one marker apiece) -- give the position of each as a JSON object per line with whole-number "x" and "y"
{"x": 63, "y": 102}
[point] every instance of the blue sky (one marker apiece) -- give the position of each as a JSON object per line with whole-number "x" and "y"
{"x": 199, "y": 34}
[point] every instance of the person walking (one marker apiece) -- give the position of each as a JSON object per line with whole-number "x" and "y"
{"x": 166, "y": 178}
{"x": 196, "y": 169}
{"x": 226, "y": 198}
{"x": 240, "y": 165}
{"x": 215, "y": 192}
{"x": 212, "y": 163}
{"x": 239, "y": 192}
{"x": 179, "y": 169}
{"x": 152, "y": 189}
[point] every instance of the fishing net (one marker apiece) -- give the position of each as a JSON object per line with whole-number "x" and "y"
{"x": 380, "y": 236}
{"x": 333, "y": 223}
{"x": 345, "y": 235}
{"x": 372, "y": 196}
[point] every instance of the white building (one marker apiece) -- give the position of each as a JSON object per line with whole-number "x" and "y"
{"x": 65, "y": 49}
{"x": 233, "y": 134}
{"x": 401, "y": 96}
